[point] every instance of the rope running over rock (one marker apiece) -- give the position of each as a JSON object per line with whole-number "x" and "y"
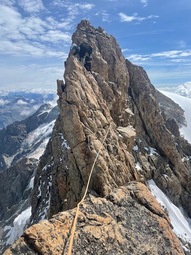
{"x": 81, "y": 201}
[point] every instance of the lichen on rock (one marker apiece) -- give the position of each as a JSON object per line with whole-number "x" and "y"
{"x": 115, "y": 103}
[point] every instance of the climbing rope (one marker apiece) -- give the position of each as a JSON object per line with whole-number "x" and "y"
{"x": 81, "y": 201}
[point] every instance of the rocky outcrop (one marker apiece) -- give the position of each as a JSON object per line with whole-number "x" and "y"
{"x": 22, "y": 143}
{"x": 128, "y": 221}
{"x": 17, "y": 179}
{"x": 112, "y": 110}
{"x": 153, "y": 130}
{"x": 16, "y": 184}
{"x": 91, "y": 104}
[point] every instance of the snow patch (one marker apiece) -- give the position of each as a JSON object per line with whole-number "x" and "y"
{"x": 38, "y": 134}
{"x": 46, "y": 204}
{"x": 64, "y": 142}
{"x": 152, "y": 151}
{"x": 135, "y": 148}
{"x": 39, "y": 151}
{"x": 181, "y": 224}
{"x": 31, "y": 183}
{"x": 19, "y": 225}
{"x": 185, "y": 104}
{"x": 8, "y": 159}
{"x": 138, "y": 166}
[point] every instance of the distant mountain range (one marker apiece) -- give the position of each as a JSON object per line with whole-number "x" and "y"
{"x": 21, "y": 145}
{"x": 18, "y": 105}
{"x": 27, "y": 119}
{"x": 183, "y": 90}
{"x": 116, "y": 137}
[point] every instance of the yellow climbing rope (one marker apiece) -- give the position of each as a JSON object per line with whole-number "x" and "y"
{"x": 81, "y": 201}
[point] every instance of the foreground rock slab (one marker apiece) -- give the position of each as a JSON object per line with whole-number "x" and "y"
{"x": 128, "y": 221}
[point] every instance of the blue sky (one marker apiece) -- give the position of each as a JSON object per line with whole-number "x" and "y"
{"x": 35, "y": 37}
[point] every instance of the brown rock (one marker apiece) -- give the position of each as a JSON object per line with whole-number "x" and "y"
{"x": 152, "y": 128}
{"x": 128, "y": 221}
{"x": 116, "y": 104}
{"x": 90, "y": 104}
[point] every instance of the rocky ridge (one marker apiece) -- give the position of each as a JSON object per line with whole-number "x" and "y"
{"x": 22, "y": 143}
{"x": 104, "y": 229}
{"x": 120, "y": 215}
{"x": 12, "y": 138}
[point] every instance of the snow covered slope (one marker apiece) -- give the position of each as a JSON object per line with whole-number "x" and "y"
{"x": 181, "y": 224}
{"x": 184, "y": 90}
{"x": 22, "y": 144}
{"x": 185, "y": 104}
{"x": 27, "y": 138}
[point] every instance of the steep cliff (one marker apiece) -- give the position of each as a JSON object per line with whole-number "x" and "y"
{"x": 116, "y": 103}
{"x": 89, "y": 103}
{"x": 22, "y": 143}
{"x": 170, "y": 171}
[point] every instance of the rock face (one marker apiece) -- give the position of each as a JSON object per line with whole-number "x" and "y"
{"x": 90, "y": 104}
{"x": 112, "y": 110}
{"x": 21, "y": 145}
{"x": 154, "y": 133}
{"x": 128, "y": 221}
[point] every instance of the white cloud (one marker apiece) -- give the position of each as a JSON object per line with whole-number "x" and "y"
{"x": 86, "y": 6}
{"x": 22, "y": 36}
{"x": 144, "y": 2}
{"x": 166, "y": 67}
{"x": 70, "y": 4}
{"x": 104, "y": 16}
{"x": 31, "y": 76}
{"x": 55, "y": 35}
{"x": 21, "y": 102}
{"x": 32, "y": 26}
{"x": 126, "y": 18}
{"x": 3, "y": 102}
{"x": 172, "y": 55}
{"x": 7, "y": 2}
{"x": 124, "y": 50}
{"x": 31, "y": 6}
{"x": 137, "y": 57}
{"x": 62, "y": 24}
{"x": 73, "y": 9}
{"x": 26, "y": 48}
{"x": 10, "y": 20}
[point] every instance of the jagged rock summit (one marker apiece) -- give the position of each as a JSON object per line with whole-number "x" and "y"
{"x": 115, "y": 102}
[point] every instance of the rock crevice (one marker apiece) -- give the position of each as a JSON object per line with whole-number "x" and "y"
{"x": 119, "y": 216}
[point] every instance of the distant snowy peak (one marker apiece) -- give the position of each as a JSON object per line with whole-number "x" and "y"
{"x": 184, "y": 90}
{"x": 27, "y": 138}
{"x": 185, "y": 104}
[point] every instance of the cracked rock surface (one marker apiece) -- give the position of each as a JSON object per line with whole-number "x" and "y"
{"x": 128, "y": 221}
